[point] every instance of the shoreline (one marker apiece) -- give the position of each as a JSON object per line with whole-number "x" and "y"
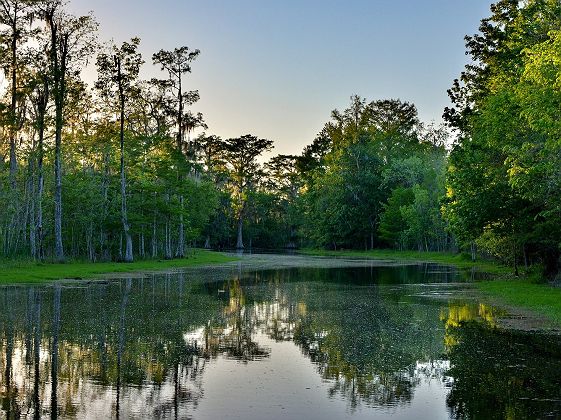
{"x": 28, "y": 272}
{"x": 519, "y": 293}
{"x": 445, "y": 258}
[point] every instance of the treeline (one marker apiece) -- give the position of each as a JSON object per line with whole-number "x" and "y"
{"x": 374, "y": 178}
{"x": 117, "y": 171}
{"x": 100, "y": 173}
{"x": 504, "y": 176}
{"x": 114, "y": 172}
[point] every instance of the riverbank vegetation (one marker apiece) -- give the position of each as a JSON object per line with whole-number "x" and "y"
{"x": 541, "y": 299}
{"x": 125, "y": 169}
{"x": 37, "y": 272}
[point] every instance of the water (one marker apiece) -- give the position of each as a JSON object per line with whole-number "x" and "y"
{"x": 273, "y": 337}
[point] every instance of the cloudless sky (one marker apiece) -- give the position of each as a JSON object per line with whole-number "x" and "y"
{"x": 276, "y": 69}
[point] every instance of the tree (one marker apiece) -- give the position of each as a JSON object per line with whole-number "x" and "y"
{"x": 363, "y": 154}
{"x": 118, "y": 72}
{"x": 72, "y": 40}
{"x": 504, "y": 103}
{"x": 241, "y": 154}
{"x": 39, "y": 98}
{"x": 16, "y": 32}
{"x": 285, "y": 182}
{"x": 103, "y": 191}
{"x": 312, "y": 158}
{"x": 392, "y": 224}
{"x": 177, "y": 63}
{"x": 15, "y": 21}
{"x": 210, "y": 156}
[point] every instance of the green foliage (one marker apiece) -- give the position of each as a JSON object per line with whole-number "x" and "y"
{"x": 392, "y": 224}
{"x": 350, "y": 197}
{"x": 504, "y": 175}
{"x": 374, "y": 176}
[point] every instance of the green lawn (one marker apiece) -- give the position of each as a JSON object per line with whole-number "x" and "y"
{"x": 30, "y": 272}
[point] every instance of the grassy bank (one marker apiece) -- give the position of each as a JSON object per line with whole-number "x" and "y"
{"x": 30, "y": 272}
{"x": 458, "y": 260}
{"x": 542, "y": 299}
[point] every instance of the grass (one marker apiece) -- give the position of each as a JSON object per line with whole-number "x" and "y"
{"x": 13, "y": 272}
{"x": 542, "y": 299}
{"x": 461, "y": 261}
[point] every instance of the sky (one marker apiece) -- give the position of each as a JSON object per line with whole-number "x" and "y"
{"x": 276, "y": 69}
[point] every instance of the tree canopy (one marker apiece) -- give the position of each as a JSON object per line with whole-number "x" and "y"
{"x": 129, "y": 169}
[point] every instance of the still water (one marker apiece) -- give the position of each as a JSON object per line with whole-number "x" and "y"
{"x": 271, "y": 337}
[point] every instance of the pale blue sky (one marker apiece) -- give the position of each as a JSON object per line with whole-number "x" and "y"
{"x": 276, "y": 69}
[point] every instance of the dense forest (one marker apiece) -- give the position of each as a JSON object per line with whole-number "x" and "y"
{"x": 125, "y": 168}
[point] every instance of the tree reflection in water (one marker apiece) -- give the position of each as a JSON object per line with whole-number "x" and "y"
{"x": 500, "y": 373}
{"x": 371, "y": 349}
{"x": 107, "y": 348}
{"x": 140, "y": 347}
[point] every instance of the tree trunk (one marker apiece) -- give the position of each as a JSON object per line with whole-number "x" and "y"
{"x": 124, "y": 219}
{"x": 154, "y": 239}
{"x": 105, "y": 253}
{"x": 32, "y": 204}
{"x": 59, "y": 249}
{"x": 40, "y": 182}
{"x": 207, "y": 242}
{"x": 13, "y": 162}
{"x": 239, "y": 243}
{"x": 180, "y": 252}
{"x": 89, "y": 243}
{"x": 167, "y": 244}
{"x": 13, "y": 104}
{"x": 142, "y": 248}
{"x": 58, "y": 63}
{"x": 515, "y": 259}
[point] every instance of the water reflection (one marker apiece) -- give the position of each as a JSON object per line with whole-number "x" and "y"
{"x": 141, "y": 347}
{"x": 106, "y": 348}
{"x": 500, "y": 373}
